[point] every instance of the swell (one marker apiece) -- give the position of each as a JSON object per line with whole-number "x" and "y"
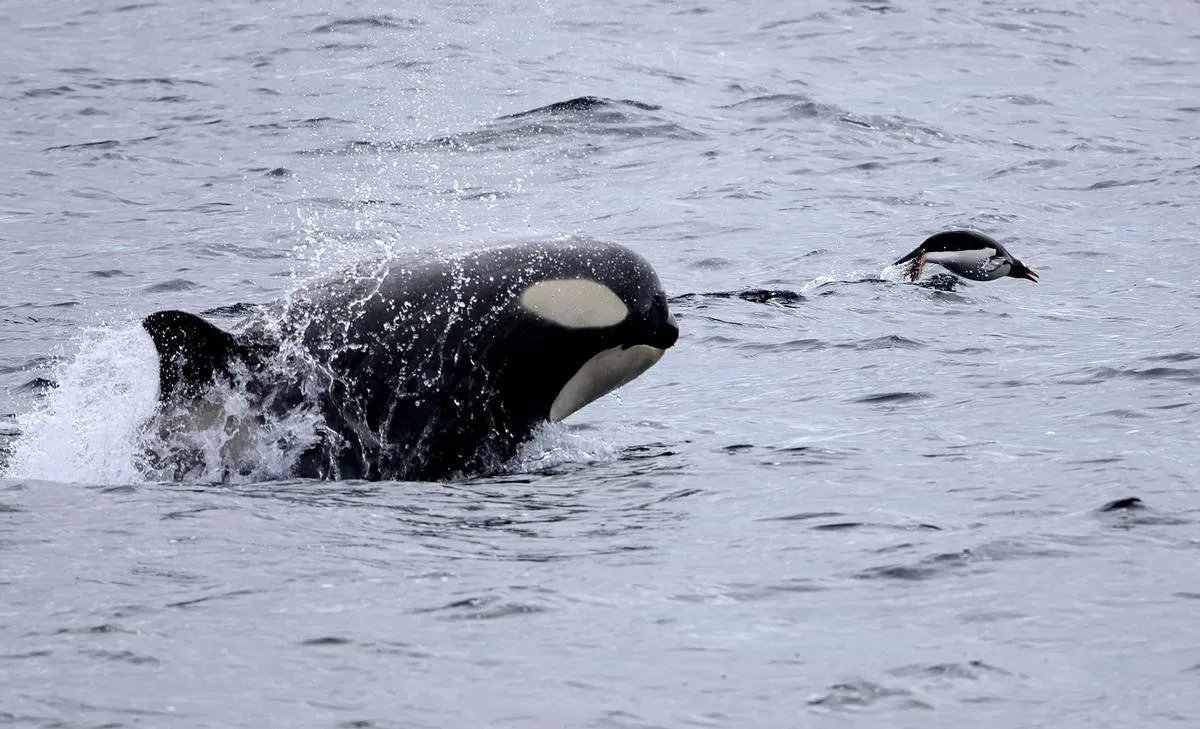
{"x": 583, "y": 117}
{"x": 775, "y": 109}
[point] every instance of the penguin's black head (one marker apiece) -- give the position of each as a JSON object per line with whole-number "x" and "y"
{"x": 1020, "y": 270}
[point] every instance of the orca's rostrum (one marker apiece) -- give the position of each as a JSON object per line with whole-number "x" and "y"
{"x": 426, "y": 369}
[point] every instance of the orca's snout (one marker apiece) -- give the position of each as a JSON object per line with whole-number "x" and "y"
{"x": 660, "y": 329}
{"x": 665, "y": 332}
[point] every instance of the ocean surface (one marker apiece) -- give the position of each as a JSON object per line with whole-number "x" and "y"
{"x": 840, "y": 500}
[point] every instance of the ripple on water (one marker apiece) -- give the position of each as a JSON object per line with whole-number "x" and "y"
{"x": 890, "y": 341}
{"x": 983, "y": 557}
{"x": 1120, "y": 414}
{"x": 128, "y": 657}
{"x": 927, "y": 568}
{"x": 583, "y": 121}
{"x": 792, "y": 345}
{"x": 328, "y": 640}
{"x": 369, "y": 22}
{"x": 860, "y": 694}
{"x": 24, "y": 656}
{"x": 100, "y": 145}
{"x": 222, "y": 595}
{"x": 583, "y": 105}
{"x": 101, "y": 629}
{"x": 481, "y": 607}
{"x": 175, "y": 284}
{"x": 803, "y": 455}
{"x": 1127, "y": 503}
{"x": 1096, "y": 374}
{"x": 753, "y": 592}
{"x": 834, "y": 521}
{"x": 775, "y": 108}
{"x": 918, "y": 685}
{"x": 892, "y": 398}
{"x": 1174, "y": 357}
{"x": 522, "y": 518}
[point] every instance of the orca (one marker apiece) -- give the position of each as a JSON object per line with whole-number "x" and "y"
{"x": 421, "y": 369}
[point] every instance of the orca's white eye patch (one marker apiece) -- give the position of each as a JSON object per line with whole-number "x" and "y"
{"x": 575, "y": 303}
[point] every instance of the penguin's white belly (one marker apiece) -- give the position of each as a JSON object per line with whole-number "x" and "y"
{"x": 980, "y": 264}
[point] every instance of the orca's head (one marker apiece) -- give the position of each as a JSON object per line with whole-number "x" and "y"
{"x": 602, "y": 320}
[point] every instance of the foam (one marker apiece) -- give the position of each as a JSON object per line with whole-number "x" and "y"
{"x": 554, "y": 445}
{"x": 85, "y": 429}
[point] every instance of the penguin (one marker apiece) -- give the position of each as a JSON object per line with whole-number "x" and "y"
{"x": 968, "y": 254}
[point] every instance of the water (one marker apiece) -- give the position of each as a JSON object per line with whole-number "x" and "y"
{"x": 848, "y": 503}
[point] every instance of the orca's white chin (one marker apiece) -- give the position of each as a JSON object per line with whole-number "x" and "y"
{"x": 600, "y": 375}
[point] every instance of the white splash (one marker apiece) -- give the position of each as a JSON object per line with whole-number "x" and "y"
{"x": 86, "y": 429}
{"x": 99, "y": 425}
{"x": 227, "y": 438}
{"x": 555, "y": 444}
{"x": 895, "y": 273}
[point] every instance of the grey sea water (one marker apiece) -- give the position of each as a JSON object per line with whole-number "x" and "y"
{"x": 840, "y": 500}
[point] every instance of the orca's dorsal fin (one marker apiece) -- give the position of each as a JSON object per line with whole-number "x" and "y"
{"x": 191, "y": 352}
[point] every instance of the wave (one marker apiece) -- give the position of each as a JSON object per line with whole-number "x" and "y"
{"x": 779, "y": 108}
{"x": 583, "y": 116}
{"x": 821, "y": 286}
